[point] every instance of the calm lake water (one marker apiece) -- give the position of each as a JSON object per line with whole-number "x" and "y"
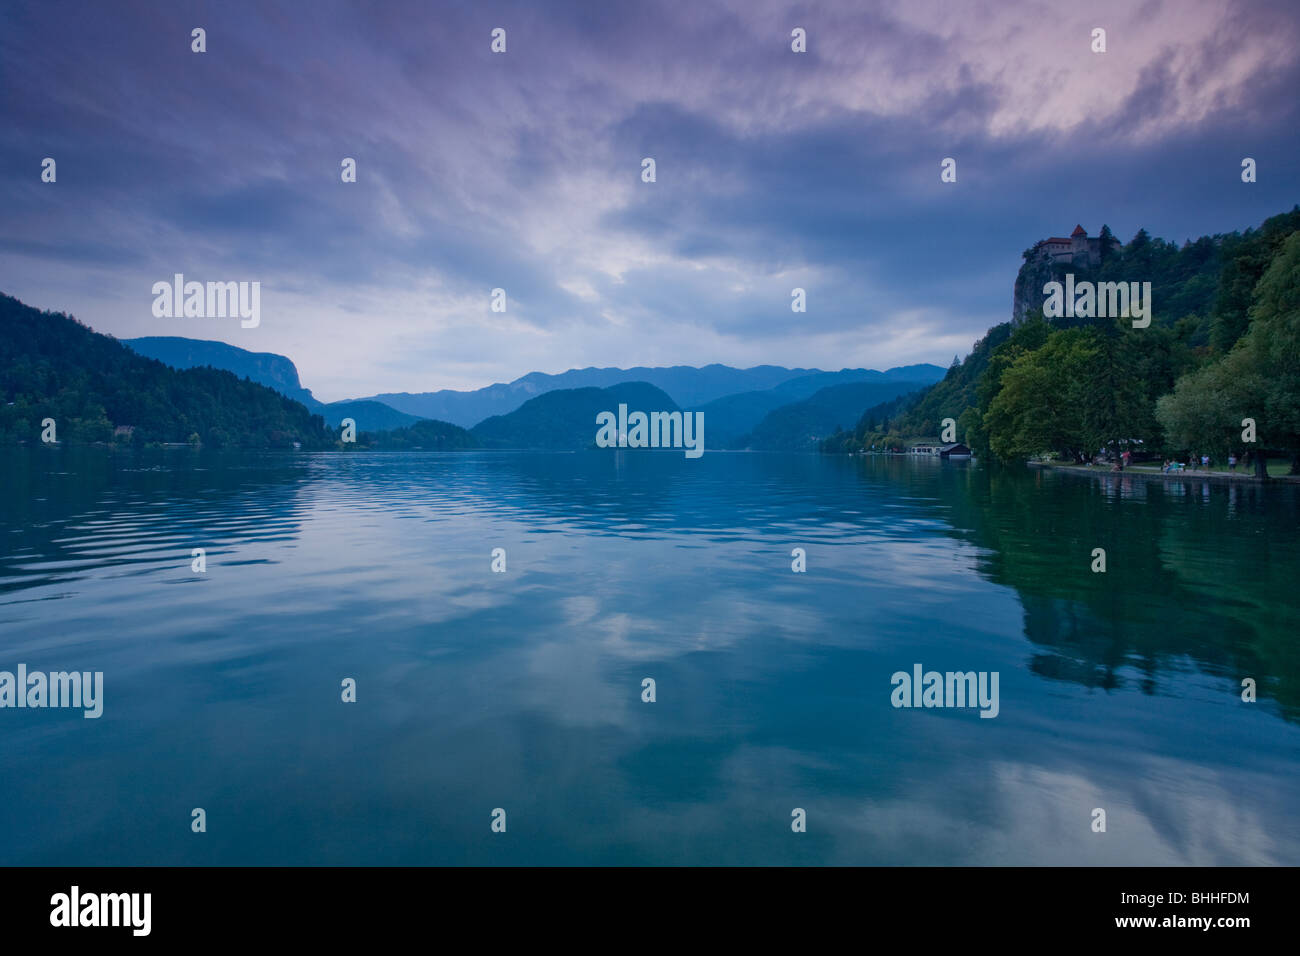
{"x": 522, "y": 690}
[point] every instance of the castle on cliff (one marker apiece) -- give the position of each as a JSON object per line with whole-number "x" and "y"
{"x": 1079, "y": 249}
{"x": 1050, "y": 259}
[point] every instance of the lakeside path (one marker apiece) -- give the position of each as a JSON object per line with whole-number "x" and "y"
{"x": 1156, "y": 473}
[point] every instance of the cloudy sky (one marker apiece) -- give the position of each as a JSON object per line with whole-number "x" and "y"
{"x": 522, "y": 170}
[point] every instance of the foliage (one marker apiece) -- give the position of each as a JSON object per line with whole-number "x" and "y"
{"x": 425, "y": 435}
{"x": 1258, "y": 379}
{"x": 52, "y": 366}
{"x": 1223, "y": 345}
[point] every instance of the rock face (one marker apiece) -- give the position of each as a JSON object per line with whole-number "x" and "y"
{"x": 265, "y": 368}
{"x": 1028, "y": 295}
{"x": 1050, "y": 259}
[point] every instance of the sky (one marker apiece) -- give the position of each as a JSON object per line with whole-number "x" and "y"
{"x": 522, "y": 170}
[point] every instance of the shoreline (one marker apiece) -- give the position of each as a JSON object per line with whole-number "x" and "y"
{"x": 1228, "y": 478}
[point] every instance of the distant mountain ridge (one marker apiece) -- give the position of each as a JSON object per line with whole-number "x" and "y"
{"x": 565, "y": 419}
{"x": 734, "y": 416}
{"x": 791, "y": 409}
{"x": 689, "y": 386}
{"x": 734, "y": 399}
{"x": 800, "y": 426}
{"x": 369, "y": 416}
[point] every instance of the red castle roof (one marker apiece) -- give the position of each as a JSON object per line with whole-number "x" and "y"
{"x": 1079, "y": 231}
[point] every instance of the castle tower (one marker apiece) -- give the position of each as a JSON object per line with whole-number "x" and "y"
{"x": 1079, "y": 251}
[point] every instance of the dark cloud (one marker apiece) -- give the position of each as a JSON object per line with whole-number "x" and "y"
{"x": 523, "y": 171}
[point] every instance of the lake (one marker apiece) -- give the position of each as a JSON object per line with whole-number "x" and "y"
{"x": 522, "y": 689}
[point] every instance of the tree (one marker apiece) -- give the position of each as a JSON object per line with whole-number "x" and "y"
{"x": 1037, "y": 407}
{"x": 1108, "y": 390}
{"x": 1258, "y": 379}
{"x": 971, "y": 428}
{"x": 1246, "y": 259}
{"x": 54, "y": 366}
{"x": 1107, "y": 242}
{"x": 1205, "y": 409}
{"x": 1272, "y": 345}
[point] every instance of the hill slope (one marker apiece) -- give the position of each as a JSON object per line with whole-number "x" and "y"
{"x": 53, "y": 366}
{"x": 426, "y": 434}
{"x": 1215, "y": 353}
{"x": 799, "y": 426}
{"x": 265, "y": 368}
{"x": 689, "y": 386}
{"x": 273, "y": 371}
{"x": 565, "y": 420}
{"x": 369, "y": 416}
{"x": 733, "y": 416}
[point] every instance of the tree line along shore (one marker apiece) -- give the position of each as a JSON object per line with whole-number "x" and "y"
{"x": 1216, "y": 372}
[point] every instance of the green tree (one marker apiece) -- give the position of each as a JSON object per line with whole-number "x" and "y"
{"x": 1246, "y": 258}
{"x": 1107, "y": 245}
{"x": 1259, "y": 378}
{"x": 1272, "y": 348}
{"x": 1037, "y": 406}
{"x": 1107, "y": 391}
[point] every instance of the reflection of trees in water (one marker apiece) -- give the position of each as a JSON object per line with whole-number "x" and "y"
{"x": 1193, "y": 571}
{"x": 1080, "y": 648}
{"x": 81, "y": 508}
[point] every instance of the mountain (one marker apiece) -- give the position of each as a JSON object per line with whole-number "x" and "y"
{"x": 735, "y": 400}
{"x": 52, "y": 366}
{"x": 369, "y": 416}
{"x": 925, "y": 372}
{"x": 273, "y": 371}
{"x": 733, "y": 416}
{"x": 265, "y": 368}
{"x": 425, "y": 435}
{"x": 799, "y": 426}
{"x": 565, "y": 419}
{"x": 691, "y": 387}
{"x": 875, "y": 421}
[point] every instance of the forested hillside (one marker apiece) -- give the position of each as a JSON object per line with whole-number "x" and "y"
{"x": 1223, "y": 345}
{"x": 565, "y": 420}
{"x": 426, "y": 434}
{"x": 799, "y": 426}
{"x": 52, "y": 366}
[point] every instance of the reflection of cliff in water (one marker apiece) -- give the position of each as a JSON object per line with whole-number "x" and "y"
{"x": 1194, "y": 571}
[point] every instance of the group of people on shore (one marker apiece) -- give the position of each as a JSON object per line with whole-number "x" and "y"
{"x": 1170, "y": 465}
{"x": 1194, "y": 463}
